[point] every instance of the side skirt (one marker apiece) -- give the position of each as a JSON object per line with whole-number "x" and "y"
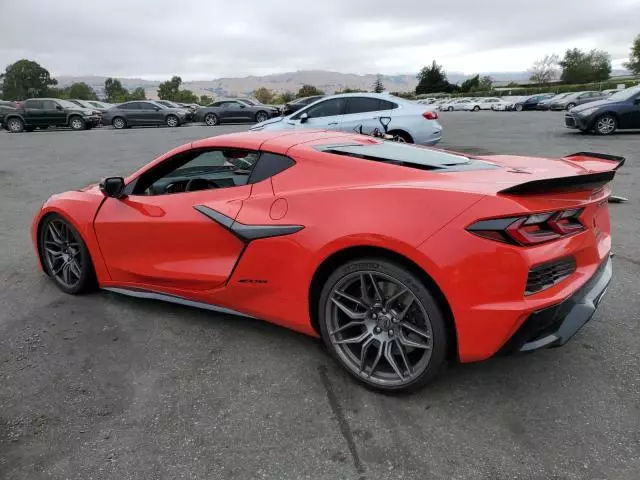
{"x": 174, "y": 299}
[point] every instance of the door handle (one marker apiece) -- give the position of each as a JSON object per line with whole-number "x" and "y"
{"x": 332, "y": 123}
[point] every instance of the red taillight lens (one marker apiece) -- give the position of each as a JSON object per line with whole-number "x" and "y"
{"x": 530, "y": 230}
{"x": 430, "y": 115}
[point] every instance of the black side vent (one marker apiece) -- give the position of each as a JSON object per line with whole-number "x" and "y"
{"x": 548, "y": 274}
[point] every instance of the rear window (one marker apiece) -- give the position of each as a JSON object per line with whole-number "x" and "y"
{"x": 405, "y": 155}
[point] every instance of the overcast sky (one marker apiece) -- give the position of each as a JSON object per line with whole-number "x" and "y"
{"x": 205, "y": 39}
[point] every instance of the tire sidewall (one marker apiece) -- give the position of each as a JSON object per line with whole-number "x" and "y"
{"x": 12, "y": 121}
{"x": 169, "y": 118}
{"x": 212, "y": 116}
{"x": 438, "y": 326}
{"x": 615, "y": 123}
{"x": 88, "y": 276}
{"x": 115, "y": 121}
{"x": 73, "y": 119}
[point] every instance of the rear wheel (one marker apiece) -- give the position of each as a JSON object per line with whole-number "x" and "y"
{"x": 400, "y": 136}
{"x": 65, "y": 256}
{"x": 570, "y": 106}
{"x": 450, "y": 109}
{"x": 519, "y": 107}
{"x": 15, "y": 125}
{"x": 476, "y": 108}
{"x": 606, "y": 125}
{"x": 382, "y": 325}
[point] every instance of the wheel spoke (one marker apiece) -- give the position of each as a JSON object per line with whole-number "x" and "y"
{"x": 360, "y": 338}
{"x": 348, "y": 312}
{"x": 416, "y": 330}
{"x": 363, "y": 352}
{"x": 55, "y": 235}
{"x": 66, "y": 273}
{"x": 391, "y": 360}
{"x": 376, "y": 288}
{"x": 412, "y": 343}
{"x": 75, "y": 269}
{"x": 404, "y": 357}
{"x": 346, "y": 326}
{"x": 395, "y": 296}
{"x": 51, "y": 243}
{"x": 377, "y": 360}
{"x": 405, "y": 310}
{"x": 56, "y": 271}
{"x": 363, "y": 290}
{"x": 54, "y": 253}
{"x": 349, "y": 297}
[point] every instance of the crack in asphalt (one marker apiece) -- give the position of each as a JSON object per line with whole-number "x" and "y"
{"x": 345, "y": 429}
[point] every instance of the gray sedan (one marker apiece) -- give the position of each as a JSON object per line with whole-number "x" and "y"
{"x": 234, "y": 111}
{"x": 575, "y": 99}
{"x": 131, "y": 114}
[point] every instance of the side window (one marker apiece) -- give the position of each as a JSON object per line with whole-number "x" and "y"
{"x": 233, "y": 105}
{"x": 129, "y": 106}
{"x": 362, "y": 105}
{"x": 385, "y": 105}
{"x": 328, "y": 108}
{"x": 49, "y": 104}
{"x": 34, "y": 104}
{"x": 198, "y": 170}
{"x": 146, "y": 106}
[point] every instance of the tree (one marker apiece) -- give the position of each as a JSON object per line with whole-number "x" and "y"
{"x": 205, "y": 100}
{"x": 470, "y": 84}
{"x": 138, "y": 94}
{"x": 169, "y": 90}
{"x": 486, "y": 83}
{"x": 185, "y": 96}
{"x": 585, "y": 67}
{"x": 308, "y": 91}
{"x": 80, "y": 91}
{"x": 545, "y": 69}
{"x": 263, "y": 95}
{"x": 634, "y": 57}
{"x": 352, "y": 90}
{"x": 432, "y": 79}
{"x": 114, "y": 90}
{"x": 24, "y": 79}
{"x": 378, "y": 87}
{"x": 287, "y": 96}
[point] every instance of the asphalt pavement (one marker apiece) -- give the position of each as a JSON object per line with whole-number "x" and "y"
{"x": 110, "y": 387}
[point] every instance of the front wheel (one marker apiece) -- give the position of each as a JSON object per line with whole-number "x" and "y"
{"x": 476, "y": 108}
{"x": 261, "y": 117}
{"x": 77, "y": 123}
{"x": 519, "y": 108}
{"x": 211, "y": 119}
{"x": 119, "y": 123}
{"x": 15, "y": 125}
{"x": 65, "y": 256}
{"x": 383, "y": 325}
{"x": 172, "y": 121}
{"x": 570, "y": 106}
{"x": 606, "y": 125}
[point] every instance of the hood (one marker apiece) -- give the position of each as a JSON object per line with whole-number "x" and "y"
{"x": 588, "y": 105}
{"x": 87, "y": 111}
{"x": 259, "y": 126}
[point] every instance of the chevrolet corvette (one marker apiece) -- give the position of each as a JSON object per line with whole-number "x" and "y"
{"x": 402, "y": 259}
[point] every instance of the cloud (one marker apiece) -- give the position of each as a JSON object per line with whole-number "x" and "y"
{"x": 205, "y": 39}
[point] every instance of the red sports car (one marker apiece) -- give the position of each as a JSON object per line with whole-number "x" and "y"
{"x": 401, "y": 258}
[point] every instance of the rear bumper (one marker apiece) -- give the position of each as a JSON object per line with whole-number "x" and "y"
{"x": 555, "y": 325}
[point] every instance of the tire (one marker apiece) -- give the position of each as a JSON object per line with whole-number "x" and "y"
{"x": 519, "y": 107}
{"x": 119, "y": 123}
{"x": 65, "y": 257}
{"x": 570, "y": 106}
{"x": 211, "y": 119}
{"x": 605, "y": 124}
{"x": 262, "y": 116}
{"x": 476, "y": 108}
{"x": 77, "y": 123}
{"x": 15, "y": 125}
{"x": 404, "y": 336}
{"x": 404, "y": 137}
{"x": 450, "y": 109}
{"x": 172, "y": 121}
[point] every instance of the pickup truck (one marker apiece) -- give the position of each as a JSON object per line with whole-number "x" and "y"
{"x": 48, "y": 112}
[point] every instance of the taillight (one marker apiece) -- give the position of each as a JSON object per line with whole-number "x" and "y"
{"x": 531, "y": 229}
{"x": 430, "y": 115}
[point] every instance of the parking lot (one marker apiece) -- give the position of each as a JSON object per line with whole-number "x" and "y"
{"x": 106, "y": 386}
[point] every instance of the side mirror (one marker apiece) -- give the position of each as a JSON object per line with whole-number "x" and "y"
{"x": 303, "y": 118}
{"x": 112, "y": 187}
{"x": 157, "y": 109}
{"x": 637, "y": 101}
{"x": 58, "y": 107}
{"x": 243, "y": 106}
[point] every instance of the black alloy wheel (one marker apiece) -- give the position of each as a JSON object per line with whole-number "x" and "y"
{"x": 211, "y": 119}
{"x": 261, "y": 117}
{"x": 383, "y": 325}
{"x": 606, "y": 125}
{"x": 65, "y": 256}
{"x": 119, "y": 123}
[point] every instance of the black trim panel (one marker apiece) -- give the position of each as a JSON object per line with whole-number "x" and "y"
{"x": 562, "y": 184}
{"x": 247, "y": 233}
{"x": 602, "y": 156}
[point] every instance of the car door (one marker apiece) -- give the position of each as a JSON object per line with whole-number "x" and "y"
{"x": 150, "y": 114}
{"x": 34, "y": 112}
{"x": 629, "y": 113}
{"x": 131, "y": 112}
{"x": 326, "y": 115}
{"x": 366, "y": 112}
{"x": 236, "y": 111}
{"x": 54, "y": 113}
{"x": 158, "y": 236}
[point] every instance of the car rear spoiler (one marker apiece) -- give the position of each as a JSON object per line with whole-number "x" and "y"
{"x": 601, "y": 167}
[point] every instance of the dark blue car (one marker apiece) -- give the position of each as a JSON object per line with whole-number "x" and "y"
{"x": 619, "y": 111}
{"x": 530, "y": 103}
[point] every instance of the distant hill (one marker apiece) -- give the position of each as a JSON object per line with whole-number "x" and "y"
{"x": 292, "y": 81}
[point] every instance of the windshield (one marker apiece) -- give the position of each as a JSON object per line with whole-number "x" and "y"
{"x": 623, "y": 95}
{"x": 66, "y": 104}
{"x": 247, "y": 101}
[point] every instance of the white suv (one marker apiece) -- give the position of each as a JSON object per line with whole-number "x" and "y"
{"x": 348, "y": 112}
